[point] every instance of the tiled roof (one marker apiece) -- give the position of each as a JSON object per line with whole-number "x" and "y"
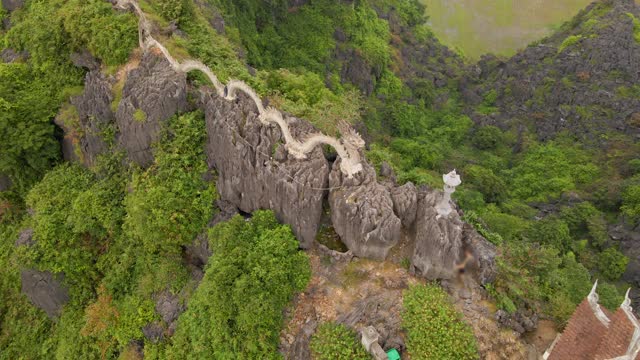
{"x": 618, "y": 337}
{"x": 594, "y": 333}
{"x": 581, "y": 337}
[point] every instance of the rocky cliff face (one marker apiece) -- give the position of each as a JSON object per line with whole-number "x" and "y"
{"x": 255, "y": 171}
{"x": 153, "y": 92}
{"x": 94, "y": 112}
{"x": 362, "y": 213}
{"x": 551, "y": 85}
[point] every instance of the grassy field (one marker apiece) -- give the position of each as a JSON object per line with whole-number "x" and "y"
{"x": 501, "y": 27}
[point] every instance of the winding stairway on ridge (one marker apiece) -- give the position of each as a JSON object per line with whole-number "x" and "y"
{"x": 348, "y": 146}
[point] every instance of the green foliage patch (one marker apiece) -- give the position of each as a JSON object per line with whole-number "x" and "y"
{"x": 435, "y": 330}
{"x": 336, "y": 341}
{"x": 237, "y": 309}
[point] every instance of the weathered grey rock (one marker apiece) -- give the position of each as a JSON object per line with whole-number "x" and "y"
{"x": 606, "y": 55}
{"x": 521, "y": 321}
{"x": 300, "y": 348}
{"x": 94, "y": 114}
{"x": 362, "y": 213}
{"x": 627, "y": 237}
{"x": 154, "y": 332}
{"x": 85, "y": 60}
{"x": 357, "y": 71}
{"x": 44, "y": 290}
{"x": 11, "y": 5}
{"x": 438, "y": 242}
{"x": 25, "y": 238}
{"x": 380, "y": 311}
{"x": 484, "y": 254}
{"x": 69, "y": 141}
{"x": 168, "y": 306}
{"x": 153, "y": 93}
{"x": 5, "y": 182}
{"x": 405, "y": 203}
{"x": 255, "y": 171}
{"x": 386, "y": 171}
{"x": 9, "y": 55}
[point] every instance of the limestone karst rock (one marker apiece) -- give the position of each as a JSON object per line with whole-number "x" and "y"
{"x": 254, "y": 170}
{"x": 153, "y": 93}
{"x": 362, "y": 213}
{"x": 438, "y": 242}
{"x": 95, "y": 114}
{"x": 44, "y": 290}
{"x": 484, "y": 254}
{"x": 405, "y": 203}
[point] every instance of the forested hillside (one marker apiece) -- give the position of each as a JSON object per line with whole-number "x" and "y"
{"x": 143, "y": 255}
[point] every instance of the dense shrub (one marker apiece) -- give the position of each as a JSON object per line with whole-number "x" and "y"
{"x": 336, "y": 341}
{"x": 170, "y": 203}
{"x": 631, "y": 202}
{"x": 435, "y": 330}
{"x": 612, "y": 263}
{"x": 58, "y": 247}
{"x": 237, "y": 309}
{"x": 27, "y": 106}
{"x": 487, "y": 138}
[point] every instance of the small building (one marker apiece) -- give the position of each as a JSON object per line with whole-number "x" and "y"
{"x": 594, "y": 333}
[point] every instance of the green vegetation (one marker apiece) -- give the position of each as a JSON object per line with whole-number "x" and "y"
{"x": 119, "y": 233}
{"x": 569, "y": 41}
{"x": 336, "y": 341}
{"x": 139, "y": 115}
{"x": 435, "y": 330}
{"x": 237, "y": 309}
{"x": 636, "y": 27}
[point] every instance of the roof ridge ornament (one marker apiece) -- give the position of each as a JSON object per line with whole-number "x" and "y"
{"x": 595, "y": 307}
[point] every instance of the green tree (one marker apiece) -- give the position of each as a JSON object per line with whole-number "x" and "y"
{"x": 631, "y": 202}
{"x": 487, "y": 137}
{"x": 552, "y": 231}
{"x": 170, "y": 202}
{"x": 237, "y": 309}
{"x": 491, "y": 186}
{"x": 612, "y": 263}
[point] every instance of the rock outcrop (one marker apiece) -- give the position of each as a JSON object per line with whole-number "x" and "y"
{"x": 44, "y": 290}
{"x": 552, "y": 82}
{"x": 483, "y": 252}
{"x": 256, "y": 172}
{"x": 153, "y": 93}
{"x": 362, "y": 213}
{"x": 438, "y": 242}
{"x": 405, "y": 203}
{"x": 94, "y": 114}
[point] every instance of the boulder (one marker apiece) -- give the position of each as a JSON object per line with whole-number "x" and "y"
{"x": 255, "y": 171}
{"x": 153, "y": 93}
{"x": 44, "y": 290}
{"x": 362, "y": 213}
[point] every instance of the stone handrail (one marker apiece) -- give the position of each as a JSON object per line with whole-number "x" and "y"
{"x": 348, "y": 146}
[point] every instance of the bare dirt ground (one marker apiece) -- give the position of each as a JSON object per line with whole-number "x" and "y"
{"x": 359, "y": 293}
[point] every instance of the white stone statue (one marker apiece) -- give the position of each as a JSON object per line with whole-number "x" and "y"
{"x": 451, "y": 180}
